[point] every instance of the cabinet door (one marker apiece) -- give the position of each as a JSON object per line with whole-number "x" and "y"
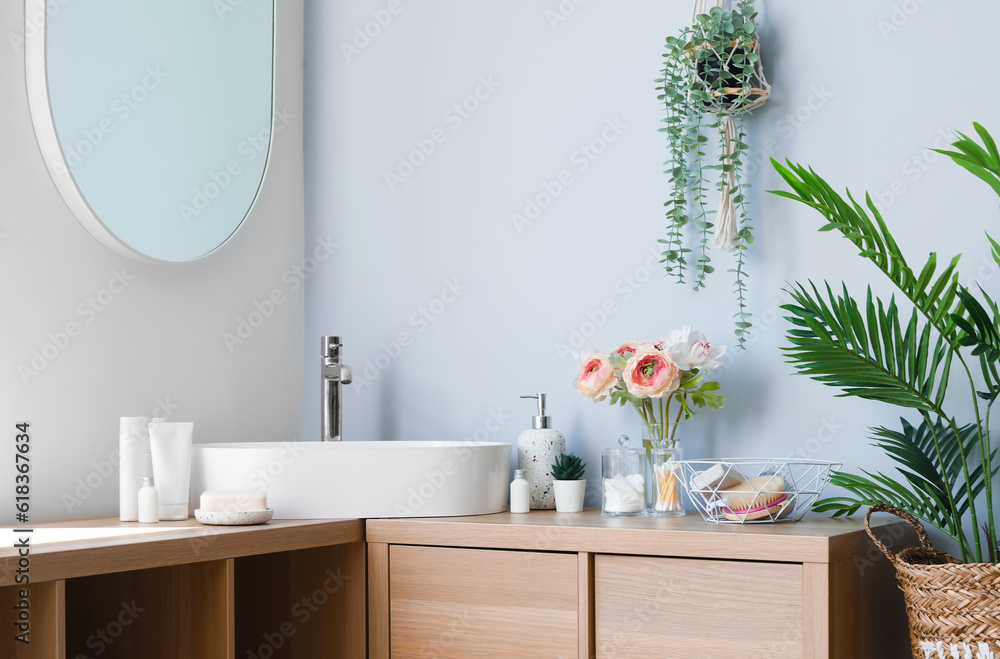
{"x": 466, "y": 603}
{"x": 648, "y": 608}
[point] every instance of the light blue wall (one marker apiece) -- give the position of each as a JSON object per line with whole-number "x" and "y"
{"x": 859, "y": 89}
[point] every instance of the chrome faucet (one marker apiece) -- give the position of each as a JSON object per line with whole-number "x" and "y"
{"x": 333, "y": 375}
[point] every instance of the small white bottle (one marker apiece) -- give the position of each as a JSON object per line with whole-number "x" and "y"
{"x": 520, "y": 493}
{"x": 149, "y": 502}
{"x": 133, "y": 465}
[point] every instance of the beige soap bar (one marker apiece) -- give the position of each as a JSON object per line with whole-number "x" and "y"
{"x": 232, "y": 502}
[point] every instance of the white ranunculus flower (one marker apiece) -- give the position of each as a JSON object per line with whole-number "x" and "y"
{"x": 694, "y": 350}
{"x": 676, "y": 336}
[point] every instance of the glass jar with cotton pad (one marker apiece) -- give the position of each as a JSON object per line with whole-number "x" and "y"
{"x": 623, "y": 486}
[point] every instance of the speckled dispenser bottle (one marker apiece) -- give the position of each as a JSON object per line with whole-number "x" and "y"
{"x": 537, "y": 449}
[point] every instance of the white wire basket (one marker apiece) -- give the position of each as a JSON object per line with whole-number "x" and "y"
{"x": 755, "y": 490}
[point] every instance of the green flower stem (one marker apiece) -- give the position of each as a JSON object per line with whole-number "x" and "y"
{"x": 665, "y": 412}
{"x": 677, "y": 422}
{"x": 641, "y": 405}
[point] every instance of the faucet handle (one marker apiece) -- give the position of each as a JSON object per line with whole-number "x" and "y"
{"x": 330, "y": 346}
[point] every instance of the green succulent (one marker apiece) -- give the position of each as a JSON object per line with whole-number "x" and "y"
{"x": 568, "y": 467}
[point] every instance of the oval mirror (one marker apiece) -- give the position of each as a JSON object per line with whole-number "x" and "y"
{"x": 154, "y": 117}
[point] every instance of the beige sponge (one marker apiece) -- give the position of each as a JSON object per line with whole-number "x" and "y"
{"x": 763, "y": 496}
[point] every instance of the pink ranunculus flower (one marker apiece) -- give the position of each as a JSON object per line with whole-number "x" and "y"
{"x": 630, "y": 346}
{"x": 650, "y": 373}
{"x": 695, "y": 351}
{"x": 597, "y": 377}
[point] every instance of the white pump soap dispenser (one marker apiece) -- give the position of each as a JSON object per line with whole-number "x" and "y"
{"x": 537, "y": 448}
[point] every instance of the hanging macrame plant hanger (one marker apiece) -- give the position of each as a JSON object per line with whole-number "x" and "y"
{"x": 724, "y": 104}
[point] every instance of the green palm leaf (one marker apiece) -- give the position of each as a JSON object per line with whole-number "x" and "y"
{"x": 929, "y": 459}
{"x": 870, "y": 355}
{"x": 980, "y": 330}
{"x": 933, "y": 296}
{"x": 984, "y": 163}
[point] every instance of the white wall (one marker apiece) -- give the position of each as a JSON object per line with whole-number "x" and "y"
{"x": 859, "y": 88}
{"x": 157, "y": 344}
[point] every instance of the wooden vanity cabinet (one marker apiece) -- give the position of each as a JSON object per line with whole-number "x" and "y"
{"x": 579, "y": 585}
{"x": 286, "y": 590}
{"x": 468, "y": 602}
{"x": 540, "y": 585}
{"x": 658, "y": 607}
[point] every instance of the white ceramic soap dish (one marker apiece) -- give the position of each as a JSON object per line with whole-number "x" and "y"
{"x": 233, "y": 518}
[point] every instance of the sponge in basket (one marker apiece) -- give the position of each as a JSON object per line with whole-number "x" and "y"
{"x": 717, "y": 477}
{"x": 763, "y": 496}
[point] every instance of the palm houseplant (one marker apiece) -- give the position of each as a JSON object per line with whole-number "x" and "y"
{"x": 939, "y": 337}
{"x": 712, "y": 79}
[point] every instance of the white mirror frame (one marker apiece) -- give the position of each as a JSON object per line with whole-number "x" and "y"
{"x": 40, "y": 109}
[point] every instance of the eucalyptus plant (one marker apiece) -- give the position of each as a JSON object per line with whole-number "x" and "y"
{"x": 908, "y": 357}
{"x": 709, "y": 71}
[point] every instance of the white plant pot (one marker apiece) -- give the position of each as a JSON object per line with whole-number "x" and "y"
{"x": 569, "y": 495}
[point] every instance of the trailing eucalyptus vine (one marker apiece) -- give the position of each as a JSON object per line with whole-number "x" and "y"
{"x": 711, "y": 81}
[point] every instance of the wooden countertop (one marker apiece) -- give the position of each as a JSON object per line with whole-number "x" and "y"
{"x": 815, "y": 539}
{"x": 79, "y": 548}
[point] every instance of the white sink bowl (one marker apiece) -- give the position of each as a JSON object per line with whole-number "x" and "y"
{"x": 323, "y": 480}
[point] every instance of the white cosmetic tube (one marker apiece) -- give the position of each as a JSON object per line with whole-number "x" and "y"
{"x": 134, "y": 463}
{"x": 171, "y": 444}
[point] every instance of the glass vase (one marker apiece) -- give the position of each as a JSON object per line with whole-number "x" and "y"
{"x": 657, "y": 435}
{"x": 664, "y": 490}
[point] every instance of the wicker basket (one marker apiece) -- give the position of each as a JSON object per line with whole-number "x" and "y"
{"x": 953, "y": 607}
